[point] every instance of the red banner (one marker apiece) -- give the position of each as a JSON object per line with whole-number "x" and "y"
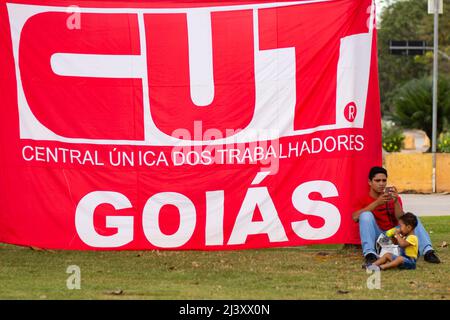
{"x": 185, "y": 124}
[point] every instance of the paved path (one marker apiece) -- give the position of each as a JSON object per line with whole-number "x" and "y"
{"x": 427, "y": 204}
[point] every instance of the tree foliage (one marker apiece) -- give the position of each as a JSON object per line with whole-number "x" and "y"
{"x": 413, "y": 105}
{"x": 393, "y": 137}
{"x": 444, "y": 142}
{"x": 408, "y": 20}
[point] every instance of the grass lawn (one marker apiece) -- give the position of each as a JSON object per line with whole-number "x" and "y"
{"x": 315, "y": 272}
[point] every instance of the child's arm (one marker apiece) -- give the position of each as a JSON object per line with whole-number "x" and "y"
{"x": 401, "y": 241}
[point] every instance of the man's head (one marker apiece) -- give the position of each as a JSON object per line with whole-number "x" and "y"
{"x": 407, "y": 222}
{"x": 377, "y": 179}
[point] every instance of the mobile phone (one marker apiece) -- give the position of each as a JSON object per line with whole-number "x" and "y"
{"x": 389, "y": 190}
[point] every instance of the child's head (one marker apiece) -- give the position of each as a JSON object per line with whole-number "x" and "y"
{"x": 408, "y": 222}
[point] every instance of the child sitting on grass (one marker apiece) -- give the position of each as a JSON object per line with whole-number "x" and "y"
{"x": 408, "y": 243}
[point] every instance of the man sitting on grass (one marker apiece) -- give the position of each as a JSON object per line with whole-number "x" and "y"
{"x": 408, "y": 243}
{"x": 380, "y": 211}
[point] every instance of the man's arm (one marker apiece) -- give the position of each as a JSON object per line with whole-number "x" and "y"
{"x": 370, "y": 207}
{"x": 381, "y": 199}
{"x": 398, "y": 209}
{"x": 397, "y": 206}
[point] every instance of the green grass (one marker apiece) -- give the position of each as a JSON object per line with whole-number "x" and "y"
{"x": 315, "y": 272}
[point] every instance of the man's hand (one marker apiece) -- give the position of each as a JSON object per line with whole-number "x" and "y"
{"x": 383, "y": 198}
{"x": 394, "y": 193}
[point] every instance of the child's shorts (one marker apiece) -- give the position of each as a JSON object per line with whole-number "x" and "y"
{"x": 408, "y": 263}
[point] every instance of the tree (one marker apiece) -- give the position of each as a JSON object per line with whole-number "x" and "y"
{"x": 413, "y": 105}
{"x": 408, "y": 20}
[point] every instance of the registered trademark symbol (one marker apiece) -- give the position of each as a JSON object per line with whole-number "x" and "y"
{"x": 350, "y": 112}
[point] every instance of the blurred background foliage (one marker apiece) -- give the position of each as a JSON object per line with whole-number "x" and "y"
{"x": 406, "y": 81}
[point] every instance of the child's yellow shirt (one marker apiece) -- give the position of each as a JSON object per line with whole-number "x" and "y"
{"x": 412, "y": 251}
